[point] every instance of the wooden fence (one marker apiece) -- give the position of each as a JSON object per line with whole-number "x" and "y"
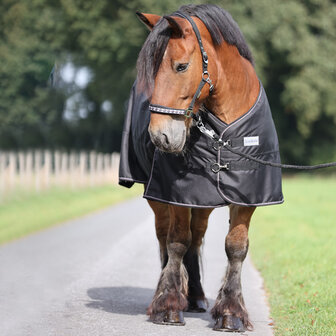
{"x": 39, "y": 170}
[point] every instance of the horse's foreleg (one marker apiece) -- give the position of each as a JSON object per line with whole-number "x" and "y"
{"x": 229, "y": 310}
{"x": 161, "y": 212}
{"x": 199, "y": 223}
{"x": 170, "y": 298}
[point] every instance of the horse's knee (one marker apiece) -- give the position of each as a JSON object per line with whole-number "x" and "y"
{"x": 236, "y": 250}
{"x": 177, "y": 249}
{"x": 236, "y": 242}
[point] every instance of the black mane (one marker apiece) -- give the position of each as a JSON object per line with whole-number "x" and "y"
{"x": 219, "y": 23}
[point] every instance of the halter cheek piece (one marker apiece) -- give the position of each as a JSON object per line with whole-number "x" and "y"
{"x": 205, "y": 79}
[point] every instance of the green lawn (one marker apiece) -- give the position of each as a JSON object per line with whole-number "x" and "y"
{"x": 24, "y": 214}
{"x": 294, "y": 247}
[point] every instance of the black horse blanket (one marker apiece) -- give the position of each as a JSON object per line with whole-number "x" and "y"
{"x": 188, "y": 179}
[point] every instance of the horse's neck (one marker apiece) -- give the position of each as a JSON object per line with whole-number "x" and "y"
{"x": 236, "y": 86}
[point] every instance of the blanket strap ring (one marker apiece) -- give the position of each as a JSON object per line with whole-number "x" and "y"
{"x": 216, "y": 167}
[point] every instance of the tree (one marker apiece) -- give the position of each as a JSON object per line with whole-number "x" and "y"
{"x": 294, "y": 47}
{"x": 293, "y": 43}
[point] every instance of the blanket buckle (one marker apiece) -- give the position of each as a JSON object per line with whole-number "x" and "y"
{"x": 216, "y": 167}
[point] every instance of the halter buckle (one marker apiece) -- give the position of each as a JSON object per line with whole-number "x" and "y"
{"x": 205, "y": 57}
{"x": 188, "y": 112}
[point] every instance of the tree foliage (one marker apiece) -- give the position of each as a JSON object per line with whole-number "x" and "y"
{"x": 293, "y": 43}
{"x": 294, "y": 47}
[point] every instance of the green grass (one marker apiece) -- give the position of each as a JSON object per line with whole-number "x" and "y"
{"x": 294, "y": 247}
{"x": 27, "y": 213}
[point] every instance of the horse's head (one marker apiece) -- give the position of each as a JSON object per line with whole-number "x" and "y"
{"x": 170, "y": 69}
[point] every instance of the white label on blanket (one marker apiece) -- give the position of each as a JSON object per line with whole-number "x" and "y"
{"x": 251, "y": 141}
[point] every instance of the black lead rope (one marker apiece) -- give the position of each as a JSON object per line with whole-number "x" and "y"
{"x": 280, "y": 165}
{"x": 216, "y": 167}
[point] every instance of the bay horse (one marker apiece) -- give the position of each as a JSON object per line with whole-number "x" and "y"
{"x": 171, "y": 67}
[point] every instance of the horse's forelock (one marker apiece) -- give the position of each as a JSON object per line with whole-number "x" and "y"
{"x": 151, "y": 54}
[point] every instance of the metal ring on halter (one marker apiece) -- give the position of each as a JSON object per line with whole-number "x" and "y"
{"x": 205, "y": 73}
{"x": 206, "y": 78}
{"x": 188, "y": 113}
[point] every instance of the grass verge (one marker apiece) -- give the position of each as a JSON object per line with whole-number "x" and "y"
{"x": 293, "y": 245}
{"x": 27, "y": 213}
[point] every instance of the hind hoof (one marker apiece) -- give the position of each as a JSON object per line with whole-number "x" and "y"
{"x": 229, "y": 323}
{"x": 197, "y": 306}
{"x": 168, "y": 318}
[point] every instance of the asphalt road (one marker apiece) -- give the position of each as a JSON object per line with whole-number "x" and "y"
{"x": 96, "y": 275}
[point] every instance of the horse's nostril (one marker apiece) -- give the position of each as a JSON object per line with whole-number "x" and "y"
{"x": 166, "y": 138}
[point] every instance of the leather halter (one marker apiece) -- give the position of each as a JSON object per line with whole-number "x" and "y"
{"x": 205, "y": 79}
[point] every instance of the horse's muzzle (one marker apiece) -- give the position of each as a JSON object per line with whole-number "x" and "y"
{"x": 168, "y": 140}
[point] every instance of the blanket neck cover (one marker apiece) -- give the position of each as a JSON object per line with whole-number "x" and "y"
{"x": 188, "y": 179}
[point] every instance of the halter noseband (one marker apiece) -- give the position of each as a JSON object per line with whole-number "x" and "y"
{"x": 205, "y": 79}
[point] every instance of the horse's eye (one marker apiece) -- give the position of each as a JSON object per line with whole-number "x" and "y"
{"x": 182, "y": 67}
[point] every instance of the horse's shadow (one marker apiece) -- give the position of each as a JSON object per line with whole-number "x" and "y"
{"x": 130, "y": 301}
{"x": 120, "y": 300}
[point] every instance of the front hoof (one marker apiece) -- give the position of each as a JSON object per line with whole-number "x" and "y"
{"x": 168, "y": 318}
{"x": 229, "y": 323}
{"x": 197, "y": 306}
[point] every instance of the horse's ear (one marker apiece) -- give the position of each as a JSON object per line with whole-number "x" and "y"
{"x": 177, "y": 29}
{"x": 150, "y": 20}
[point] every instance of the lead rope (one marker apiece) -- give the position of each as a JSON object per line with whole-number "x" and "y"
{"x": 216, "y": 167}
{"x": 280, "y": 165}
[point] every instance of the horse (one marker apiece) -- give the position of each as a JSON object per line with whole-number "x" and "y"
{"x": 192, "y": 59}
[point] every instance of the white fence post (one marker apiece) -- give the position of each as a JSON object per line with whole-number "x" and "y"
{"x": 47, "y": 168}
{"x": 39, "y": 170}
{"x": 3, "y": 164}
{"x": 82, "y": 169}
{"x": 29, "y": 171}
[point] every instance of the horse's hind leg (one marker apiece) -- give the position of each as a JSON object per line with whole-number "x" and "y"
{"x": 199, "y": 223}
{"x": 229, "y": 310}
{"x": 170, "y": 298}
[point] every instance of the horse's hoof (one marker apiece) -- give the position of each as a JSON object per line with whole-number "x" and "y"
{"x": 197, "y": 306}
{"x": 229, "y": 323}
{"x": 169, "y": 318}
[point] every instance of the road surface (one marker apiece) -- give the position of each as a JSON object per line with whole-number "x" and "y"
{"x": 96, "y": 275}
